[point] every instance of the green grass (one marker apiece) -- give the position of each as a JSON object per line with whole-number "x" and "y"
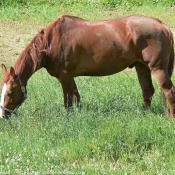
{"x": 111, "y": 3}
{"x": 110, "y": 134}
{"x": 42, "y": 14}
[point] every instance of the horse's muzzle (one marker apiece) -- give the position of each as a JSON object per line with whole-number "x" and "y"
{"x": 4, "y": 114}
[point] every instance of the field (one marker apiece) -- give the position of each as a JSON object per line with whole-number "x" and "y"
{"x": 110, "y": 134}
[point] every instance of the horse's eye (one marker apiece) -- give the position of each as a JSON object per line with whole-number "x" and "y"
{"x": 9, "y": 93}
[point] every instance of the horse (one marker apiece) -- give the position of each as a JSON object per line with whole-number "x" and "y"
{"x": 71, "y": 46}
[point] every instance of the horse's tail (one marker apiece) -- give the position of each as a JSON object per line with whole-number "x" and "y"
{"x": 170, "y": 68}
{"x": 172, "y": 58}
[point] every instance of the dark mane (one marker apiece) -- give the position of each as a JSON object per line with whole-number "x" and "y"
{"x": 39, "y": 46}
{"x": 36, "y": 51}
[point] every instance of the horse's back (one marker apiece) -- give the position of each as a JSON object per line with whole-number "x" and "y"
{"x": 109, "y": 46}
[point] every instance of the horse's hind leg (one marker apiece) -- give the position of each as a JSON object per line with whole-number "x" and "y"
{"x": 144, "y": 76}
{"x": 168, "y": 88}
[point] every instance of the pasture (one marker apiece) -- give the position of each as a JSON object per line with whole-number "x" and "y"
{"x": 109, "y": 134}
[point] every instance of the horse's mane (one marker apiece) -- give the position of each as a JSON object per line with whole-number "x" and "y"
{"x": 35, "y": 50}
{"x": 39, "y": 47}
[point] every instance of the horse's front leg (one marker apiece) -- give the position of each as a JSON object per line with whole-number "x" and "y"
{"x": 76, "y": 95}
{"x": 70, "y": 90}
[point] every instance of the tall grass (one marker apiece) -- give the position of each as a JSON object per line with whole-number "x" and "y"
{"x": 110, "y": 134}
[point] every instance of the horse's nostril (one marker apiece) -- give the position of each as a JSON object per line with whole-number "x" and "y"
{"x": 6, "y": 117}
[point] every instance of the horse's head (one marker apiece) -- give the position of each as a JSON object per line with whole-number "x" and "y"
{"x": 13, "y": 93}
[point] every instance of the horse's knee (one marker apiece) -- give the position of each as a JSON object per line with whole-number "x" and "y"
{"x": 149, "y": 92}
{"x": 171, "y": 95}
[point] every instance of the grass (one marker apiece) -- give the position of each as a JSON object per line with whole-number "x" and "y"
{"x": 44, "y": 13}
{"x": 110, "y": 134}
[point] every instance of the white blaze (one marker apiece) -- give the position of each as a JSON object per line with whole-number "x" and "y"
{"x": 2, "y": 98}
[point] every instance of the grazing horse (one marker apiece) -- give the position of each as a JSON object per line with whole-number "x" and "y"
{"x": 71, "y": 47}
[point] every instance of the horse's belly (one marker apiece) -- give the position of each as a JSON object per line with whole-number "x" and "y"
{"x": 101, "y": 69}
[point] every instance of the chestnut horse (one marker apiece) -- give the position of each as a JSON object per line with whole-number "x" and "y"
{"x": 71, "y": 47}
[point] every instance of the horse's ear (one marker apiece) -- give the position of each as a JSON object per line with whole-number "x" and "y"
{"x": 4, "y": 69}
{"x": 12, "y": 72}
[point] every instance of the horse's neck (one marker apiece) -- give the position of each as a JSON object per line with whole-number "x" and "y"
{"x": 25, "y": 67}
